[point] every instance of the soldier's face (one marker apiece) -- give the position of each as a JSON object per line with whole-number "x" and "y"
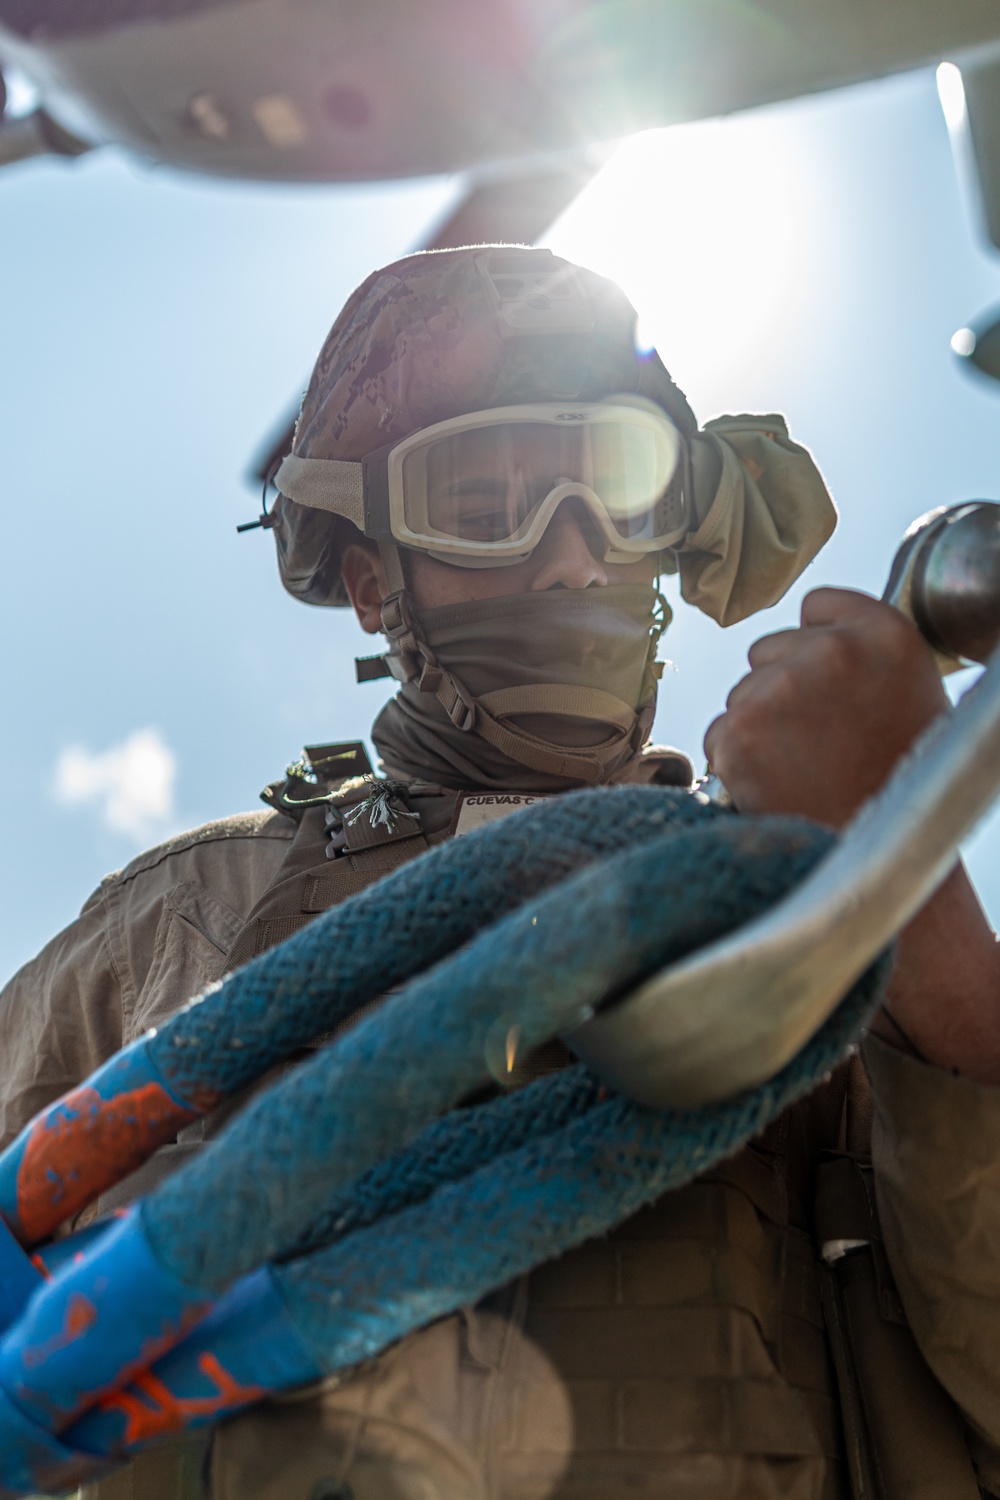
{"x": 492, "y": 484}
{"x": 569, "y": 556}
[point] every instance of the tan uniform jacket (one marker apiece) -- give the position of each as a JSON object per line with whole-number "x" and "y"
{"x": 734, "y": 1394}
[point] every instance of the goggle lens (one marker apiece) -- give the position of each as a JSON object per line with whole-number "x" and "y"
{"x": 485, "y": 485}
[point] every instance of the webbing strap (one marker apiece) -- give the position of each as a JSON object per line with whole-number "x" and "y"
{"x": 588, "y": 765}
{"x": 329, "y": 484}
{"x": 393, "y": 565}
{"x": 559, "y": 698}
{"x": 585, "y": 763}
{"x": 537, "y": 754}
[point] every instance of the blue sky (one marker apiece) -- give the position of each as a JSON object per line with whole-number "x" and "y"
{"x": 813, "y": 258}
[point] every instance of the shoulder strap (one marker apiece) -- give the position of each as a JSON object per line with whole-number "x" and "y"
{"x": 319, "y": 774}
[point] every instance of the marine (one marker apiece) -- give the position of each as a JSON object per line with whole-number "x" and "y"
{"x": 488, "y": 471}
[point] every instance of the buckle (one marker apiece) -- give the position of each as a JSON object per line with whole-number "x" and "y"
{"x": 396, "y": 618}
{"x": 462, "y": 708}
{"x": 430, "y": 676}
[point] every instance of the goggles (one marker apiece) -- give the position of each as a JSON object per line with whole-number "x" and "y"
{"x": 479, "y": 490}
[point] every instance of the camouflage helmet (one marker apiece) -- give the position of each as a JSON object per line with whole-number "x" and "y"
{"x": 443, "y": 333}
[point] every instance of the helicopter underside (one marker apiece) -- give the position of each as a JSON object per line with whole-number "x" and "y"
{"x": 358, "y": 89}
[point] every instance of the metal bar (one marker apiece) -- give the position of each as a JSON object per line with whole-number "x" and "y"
{"x": 734, "y": 1013}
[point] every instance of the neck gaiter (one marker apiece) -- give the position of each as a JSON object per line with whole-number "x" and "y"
{"x": 566, "y": 670}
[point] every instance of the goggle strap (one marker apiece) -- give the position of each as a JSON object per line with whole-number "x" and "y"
{"x": 330, "y": 484}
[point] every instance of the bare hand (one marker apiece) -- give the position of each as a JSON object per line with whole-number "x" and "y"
{"x": 826, "y": 710}
{"x": 815, "y": 728}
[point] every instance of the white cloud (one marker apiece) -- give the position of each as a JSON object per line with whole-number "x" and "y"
{"x": 132, "y": 784}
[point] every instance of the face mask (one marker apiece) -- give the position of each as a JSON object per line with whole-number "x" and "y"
{"x": 528, "y": 692}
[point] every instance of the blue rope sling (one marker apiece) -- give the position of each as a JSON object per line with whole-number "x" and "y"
{"x": 344, "y": 1207}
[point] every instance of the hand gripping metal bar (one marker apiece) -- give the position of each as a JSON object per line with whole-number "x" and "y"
{"x": 663, "y": 1043}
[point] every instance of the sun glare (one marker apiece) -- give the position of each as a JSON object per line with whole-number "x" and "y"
{"x": 22, "y": 95}
{"x": 951, "y": 92}
{"x": 706, "y": 228}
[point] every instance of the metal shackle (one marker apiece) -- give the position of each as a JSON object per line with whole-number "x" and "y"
{"x": 946, "y": 579}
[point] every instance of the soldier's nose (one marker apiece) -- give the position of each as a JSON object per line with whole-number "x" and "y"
{"x": 569, "y": 553}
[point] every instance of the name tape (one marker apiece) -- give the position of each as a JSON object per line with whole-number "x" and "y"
{"x": 473, "y": 809}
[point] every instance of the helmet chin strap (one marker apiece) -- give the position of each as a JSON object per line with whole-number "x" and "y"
{"x": 411, "y": 659}
{"x": 392, "y": 565}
